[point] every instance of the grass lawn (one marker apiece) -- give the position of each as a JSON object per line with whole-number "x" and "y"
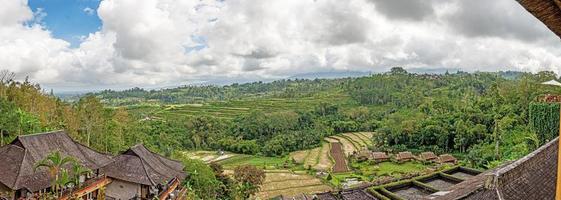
{"x": 258, "y": 161}
{"x": 390, "y": 168}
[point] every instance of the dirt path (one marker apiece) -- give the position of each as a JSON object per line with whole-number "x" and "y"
{"x": 339, "y": 157}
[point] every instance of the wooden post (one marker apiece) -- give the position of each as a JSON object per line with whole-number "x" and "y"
{"x": 558, "y": 186}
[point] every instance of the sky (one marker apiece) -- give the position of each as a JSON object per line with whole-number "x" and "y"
{"x": 74, "y": 45}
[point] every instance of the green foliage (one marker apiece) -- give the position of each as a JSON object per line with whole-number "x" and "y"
{"x": 544, "y": 119}
{"x": 248, "y": 180}
{"x": 202, "y": 179}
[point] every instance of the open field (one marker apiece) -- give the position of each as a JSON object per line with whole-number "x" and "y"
{"x": 366, "y": 136}
{"x": 348, "y": 147}
{"x": 359, "y": 139}
{"x": 233, "y": 108}
{"x": 258, "y": 161}
{"x": 339, "y": 157}
{"x": 208, "y": 156}
{"x": 324, "y": 162}
{"x": 312, "y": 158}
{"x": 290, "y": 184}
{"x": 299, "y": 156}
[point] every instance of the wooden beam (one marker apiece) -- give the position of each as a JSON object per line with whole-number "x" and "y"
{"x": 558, "y": 186}
{"x": 170, "y": 189}
{"x": 96, "y": 185}
{"x": 182, "y": 194}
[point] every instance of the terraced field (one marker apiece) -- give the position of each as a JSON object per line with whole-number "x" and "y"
{"x": 233, "y": 108}
{"x": 336, "y": 153}
{"x": 312, "y": 158}
{"x": 290, "y": 184}
{"x": 348, "y": 146}
{"x": 208, "y": 156}
{"x": 324, "y": 163}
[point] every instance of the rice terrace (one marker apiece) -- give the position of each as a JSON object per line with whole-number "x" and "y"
{"x": 280, "y": 100}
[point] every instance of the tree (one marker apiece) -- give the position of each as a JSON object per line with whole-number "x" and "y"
{"x": 78, "y": 170}
{"x": 248, "y": 179}
{"x": 90, "y": 113}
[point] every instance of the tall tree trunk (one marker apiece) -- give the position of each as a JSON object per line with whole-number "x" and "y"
{"x": 497, "y": 140}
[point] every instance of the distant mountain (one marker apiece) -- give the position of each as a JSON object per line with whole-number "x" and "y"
{"x": 433, "y": 70}
{"x": 330, "y": 75}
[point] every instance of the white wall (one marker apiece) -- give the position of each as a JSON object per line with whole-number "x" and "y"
{"x": 122, "y": 190}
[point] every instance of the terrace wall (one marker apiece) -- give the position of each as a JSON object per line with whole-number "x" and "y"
{"x": 123, "y": 190}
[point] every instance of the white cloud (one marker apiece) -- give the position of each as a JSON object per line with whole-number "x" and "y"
{"x": 89, "y": 11}
{"x": 167, "y": 42}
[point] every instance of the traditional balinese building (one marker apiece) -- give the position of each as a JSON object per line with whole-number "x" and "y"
{"x": 447, "y": 158}
{"x": 19, "y": 179}
{"x": 135, "y": 174}
{"x": 404, "y": 156}
{"x": 141, "y": 174}
{"x": 428, "y": 157}
{"x": 380, "y": 157}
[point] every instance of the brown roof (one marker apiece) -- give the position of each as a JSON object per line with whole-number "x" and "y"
{"x": 428, "y": 156}
{"x": 18, "y": 158}
{"x": 446, "y": 158}
{"x": 547, "y": 11}
{"x": 531, "y": 177}
{"x": 379, "y": 156}
{"x": 139, "y": 165}
{"x": 404, "y": 155}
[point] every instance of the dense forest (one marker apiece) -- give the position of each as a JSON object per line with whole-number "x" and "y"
{"x": 482, "y": 117}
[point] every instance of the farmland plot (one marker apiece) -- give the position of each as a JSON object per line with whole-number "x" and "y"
{"x": 312, "y": 158}
{"x": 364, "y": 136}
{"x": 358, "y": 141}
{"x": 324, "y": 163}
{"x": 299, "y": 156}
{"x": 339, "y": 157}
{"x": 289, "y": 184}
{"x": 348, "y": 147}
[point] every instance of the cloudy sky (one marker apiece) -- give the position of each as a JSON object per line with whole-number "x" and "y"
{"x": 92, "y": 44}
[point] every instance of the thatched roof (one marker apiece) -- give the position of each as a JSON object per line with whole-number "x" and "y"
{"x": 18, "y": 158}
{"x": 447, "y": 158}
{"x": 426, "y": 156}
{"x": 547, "y": 11}
{"x": 405, "y": 155}
{"x": 139, "y": 165}
{"x": 531, "y": 177}
{"x": 380, "y": 156}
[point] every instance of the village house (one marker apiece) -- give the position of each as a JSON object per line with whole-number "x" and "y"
{"x": 137, "y": 173}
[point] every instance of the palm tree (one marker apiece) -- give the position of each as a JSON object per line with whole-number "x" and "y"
{"x": 78, "y": 170}
{"x": 54, "y": 163}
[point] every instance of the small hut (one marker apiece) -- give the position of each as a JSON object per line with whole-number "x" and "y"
{"x": 364, "y": 155}
{"x": 447, "y": 158}
{"x": 404, "y": 156}
{"x": 380, "y": 157}
{"x": 428, "y": 157}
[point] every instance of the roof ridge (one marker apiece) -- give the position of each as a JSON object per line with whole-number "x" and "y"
{"x": 146, "y": 171}
{"x": 43, "y": 133}
{"x": 19, "y": 169}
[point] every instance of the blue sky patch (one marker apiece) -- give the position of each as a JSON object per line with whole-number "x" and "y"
{"x": 69, "y": 19}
